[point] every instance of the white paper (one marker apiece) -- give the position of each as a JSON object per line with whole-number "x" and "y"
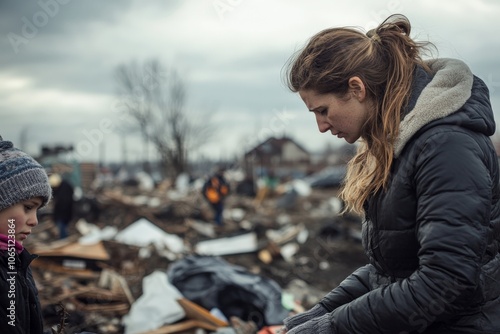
{"x": 143, "y": 233}
{"x": 156, "y": 307}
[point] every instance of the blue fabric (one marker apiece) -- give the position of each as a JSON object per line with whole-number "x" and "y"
{"x": 218, "y": 210}
{"x": 63, "y": 229}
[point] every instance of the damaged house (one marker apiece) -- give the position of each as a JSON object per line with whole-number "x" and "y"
{"x": 282, "y": 155}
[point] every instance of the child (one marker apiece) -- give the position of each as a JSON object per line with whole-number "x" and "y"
{"x": 24, "y": 188}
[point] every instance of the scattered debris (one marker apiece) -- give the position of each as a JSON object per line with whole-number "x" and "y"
{"x": 143, "y": 233}
{"x": 239, "y": 244}
{"x": 213, "y": 282}
{"x": 153, "y": 262}
{"x": 157, "y": 306}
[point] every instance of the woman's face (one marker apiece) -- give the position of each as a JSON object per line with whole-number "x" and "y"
{"x": 343, "y": 117}
{"x": 19, "y": 219}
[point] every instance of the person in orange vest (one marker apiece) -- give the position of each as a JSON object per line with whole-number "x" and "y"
{"x": 215, "y": 190}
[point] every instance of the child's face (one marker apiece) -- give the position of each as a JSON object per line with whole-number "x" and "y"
{"x": 21, "y": 216}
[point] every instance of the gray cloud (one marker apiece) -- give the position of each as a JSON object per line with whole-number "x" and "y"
{"x": 60, "y": 82}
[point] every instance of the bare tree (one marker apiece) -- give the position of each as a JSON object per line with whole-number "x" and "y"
{"x": 155, "y": 98}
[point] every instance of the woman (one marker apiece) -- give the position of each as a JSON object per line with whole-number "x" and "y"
{"x": 425, "y": 177}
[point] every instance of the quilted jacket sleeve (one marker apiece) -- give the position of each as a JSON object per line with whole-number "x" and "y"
{"x": 355, "y": 285}
{"x": 453, "y": 188}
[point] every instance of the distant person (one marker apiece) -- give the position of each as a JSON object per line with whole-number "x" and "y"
{"x": 425, "y": 179}
{"x": 24, "y": 188}
{"x": 268, "y": 188}
{"x": 63, "y": 203}
{"x": 215, "y": 190}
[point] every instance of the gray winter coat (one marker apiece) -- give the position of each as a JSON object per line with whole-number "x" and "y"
{"x": 433, "y": 235}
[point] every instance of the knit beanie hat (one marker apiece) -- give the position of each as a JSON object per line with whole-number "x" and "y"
{"x": 21, "y": 177}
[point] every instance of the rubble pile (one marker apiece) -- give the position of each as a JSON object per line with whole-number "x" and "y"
{"x": 96, "y": 279}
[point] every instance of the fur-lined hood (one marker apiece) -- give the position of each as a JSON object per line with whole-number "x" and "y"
{"x": 453, "y": 87}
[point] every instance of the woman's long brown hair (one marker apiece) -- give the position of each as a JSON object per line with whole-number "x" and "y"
{"x": 385, "y": 59}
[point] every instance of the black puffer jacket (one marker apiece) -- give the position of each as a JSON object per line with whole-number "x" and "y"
{"x": 433, "y": 235}
{"x": 25, "y": 316}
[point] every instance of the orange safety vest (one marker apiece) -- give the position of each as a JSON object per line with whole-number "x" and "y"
{"x": 215, "y": 190}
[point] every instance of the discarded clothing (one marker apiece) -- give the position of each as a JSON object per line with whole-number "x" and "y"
{"x": 213, "y": 282}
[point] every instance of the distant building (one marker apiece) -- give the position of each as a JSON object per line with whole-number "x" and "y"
{"x": 284, "y": 156}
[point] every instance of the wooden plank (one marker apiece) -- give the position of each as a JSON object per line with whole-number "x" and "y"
{"x": 93, "y": 252}
{"x": 196, "y": 312}
{"x": 56, "y": 268}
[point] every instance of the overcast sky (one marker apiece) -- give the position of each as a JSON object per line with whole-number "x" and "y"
{"x": 57, "y": 59}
